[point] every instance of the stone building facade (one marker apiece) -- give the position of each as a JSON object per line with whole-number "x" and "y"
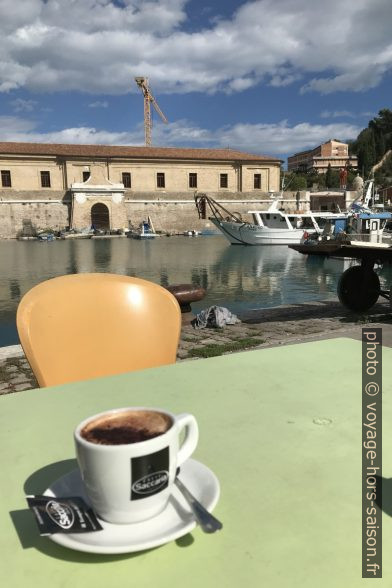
{"x": 77, "y": 186}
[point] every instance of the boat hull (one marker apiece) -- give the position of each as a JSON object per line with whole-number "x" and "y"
{"x": 140, "y": 236}
{"x": 247, "y": 234}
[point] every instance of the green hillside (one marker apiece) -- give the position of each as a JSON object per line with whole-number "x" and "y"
{"x": 372, "y": 144}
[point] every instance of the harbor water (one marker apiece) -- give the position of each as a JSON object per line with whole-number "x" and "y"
{"x": 237, "y": 277}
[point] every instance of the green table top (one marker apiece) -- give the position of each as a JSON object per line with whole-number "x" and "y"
{"x": 290, "y": 486}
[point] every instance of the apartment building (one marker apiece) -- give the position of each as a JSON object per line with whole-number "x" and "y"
{"x": 332, "y": 152}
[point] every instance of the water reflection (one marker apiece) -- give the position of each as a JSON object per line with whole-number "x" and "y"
{"x": 72, "y": 267}
{"x": 257, "y": 275}
{"x": 234, "y": 276}
{"x": 15, "y": 290}
{"x": 164, "y": 278}
{"x": 102, "y": 254}
{"x": 199, "y": 277}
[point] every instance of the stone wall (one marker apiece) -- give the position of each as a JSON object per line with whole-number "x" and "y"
{"x": 28, "y": 212}
{"x": 170, "y": 211}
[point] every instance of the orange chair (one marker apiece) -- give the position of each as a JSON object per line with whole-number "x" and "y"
{"x": 83, "y": 326}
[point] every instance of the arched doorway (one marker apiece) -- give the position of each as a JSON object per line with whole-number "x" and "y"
{"x": 100, "y": 216}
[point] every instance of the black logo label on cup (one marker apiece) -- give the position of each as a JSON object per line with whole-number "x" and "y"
{"x": 150, "y": 474}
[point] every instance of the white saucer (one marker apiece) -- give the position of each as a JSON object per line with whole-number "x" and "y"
{"x": 175, "y": 521}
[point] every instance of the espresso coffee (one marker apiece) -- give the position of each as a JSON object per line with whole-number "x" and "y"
{"x": 128, "y": 458}
{"x": 123, "y": 428}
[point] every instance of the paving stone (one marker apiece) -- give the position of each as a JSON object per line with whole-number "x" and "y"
{"x": 21, "y": 387}
{"x": 187, "y": 344}
{"x": 21, "y": 379}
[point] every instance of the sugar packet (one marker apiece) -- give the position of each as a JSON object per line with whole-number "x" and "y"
{"x": 68, "y": 514}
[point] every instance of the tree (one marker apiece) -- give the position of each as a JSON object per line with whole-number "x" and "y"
{"x": 315, "y": 180}
{"x": 328, "y": 177}
{"x": 373, "y": 142}
{"x": 365, "y": 148}
{"x": 383, "y": 175}
{"x": 298, "y": 182}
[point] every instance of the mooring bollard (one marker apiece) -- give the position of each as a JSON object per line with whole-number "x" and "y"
{"x": 185, "y": 294}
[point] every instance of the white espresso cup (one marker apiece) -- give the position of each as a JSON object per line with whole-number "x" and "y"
{"x": 128, "y": 475}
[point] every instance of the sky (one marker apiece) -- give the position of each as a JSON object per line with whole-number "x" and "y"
{"x": 271, "y": 77}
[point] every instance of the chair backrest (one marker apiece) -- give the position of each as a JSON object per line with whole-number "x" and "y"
{"x": 82, "y": 326}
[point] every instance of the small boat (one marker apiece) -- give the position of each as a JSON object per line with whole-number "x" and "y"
{"x": 360, "y": 238}
{"x": 363, "y": 228}
{"x": 269, "y": 227}
{"x": 363, "y": 225}
{"x": 144, "y": 231}
{"x": 76, "y": 235}
{"x": 46, "y": 237}
{"x": 191, "y": 233}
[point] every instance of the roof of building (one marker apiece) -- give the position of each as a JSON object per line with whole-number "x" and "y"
{"x": 65, "y": 150}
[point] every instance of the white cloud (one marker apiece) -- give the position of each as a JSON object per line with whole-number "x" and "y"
{"x": 99, "y": 104}
{"x": 338, "y": 114}
{"x": 13, "y": 126}
{"x": 269, "y": 139}
{"x": 281, "y": 138}
{"x": 13, "y": 16}
{"x": 347, "y": 114}
{"x": 357, "y": 81}
{"x": 21, "y": 105}
{"x": 99, "y": 45}
{"x": 21, "y": 131}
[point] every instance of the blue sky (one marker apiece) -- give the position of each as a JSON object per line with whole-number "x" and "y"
{"x": 268, "y": 76}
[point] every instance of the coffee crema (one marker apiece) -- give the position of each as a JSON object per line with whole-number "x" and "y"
{"x": 123, "y": 428}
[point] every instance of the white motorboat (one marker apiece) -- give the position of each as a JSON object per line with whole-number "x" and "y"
{"x": 269, "y": 227}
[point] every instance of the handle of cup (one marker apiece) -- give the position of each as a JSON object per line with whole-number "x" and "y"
{"x": 187, "y": 422}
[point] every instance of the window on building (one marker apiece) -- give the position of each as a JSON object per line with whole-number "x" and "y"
{"x": 45, "y": 179}
{"x": 6, "y": 178}
{"x": 193, "y": 180}
{"x": 126, "y": 179}
{"x": 257, "y": 181}
{"x": 86, "y": 175}
{"x": 224, "y": 181}
{"x": 160, "y": 180}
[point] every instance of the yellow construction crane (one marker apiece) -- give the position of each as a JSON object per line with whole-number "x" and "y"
{"x": 148, "y": 100}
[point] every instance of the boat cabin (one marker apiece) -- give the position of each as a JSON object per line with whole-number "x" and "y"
{"x": 279, "y": 220}
{"x": 359, "y": 226}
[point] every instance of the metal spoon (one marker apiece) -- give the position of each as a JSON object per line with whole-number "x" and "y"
{"x": 206, "y": 520}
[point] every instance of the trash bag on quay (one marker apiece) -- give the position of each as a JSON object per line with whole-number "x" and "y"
{"x": 214, "y": 316}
